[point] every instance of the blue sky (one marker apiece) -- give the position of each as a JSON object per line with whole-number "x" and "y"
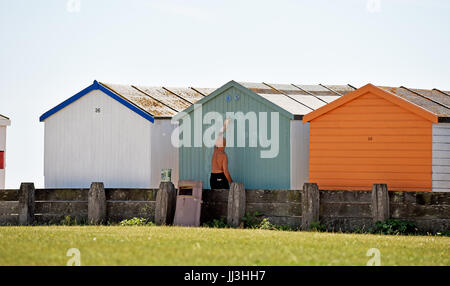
{"x": 49, "y": 52}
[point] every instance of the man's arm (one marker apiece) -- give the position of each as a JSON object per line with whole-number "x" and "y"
{"x": 225, "y": 169}
{"x": 219, "y": 140}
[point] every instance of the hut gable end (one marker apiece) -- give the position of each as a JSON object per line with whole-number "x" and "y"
{"x": 376, "y": 93}
{"x": 245, "y": 163}
{"x": 371, "y": 138}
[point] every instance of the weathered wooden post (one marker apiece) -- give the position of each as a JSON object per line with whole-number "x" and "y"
{"x": 166, "y": 199}
{"x": 97, "y": 204}
{"x": 236, "y": 204}
{"x": 310, "y": 204}
{"x": 26, "y": 203}
{"x": 380, "y": 202}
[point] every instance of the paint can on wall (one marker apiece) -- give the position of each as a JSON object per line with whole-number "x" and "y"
{"x": 166, "y": 175}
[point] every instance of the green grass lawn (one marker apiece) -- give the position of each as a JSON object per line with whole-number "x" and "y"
{"x": 119, "y": 245}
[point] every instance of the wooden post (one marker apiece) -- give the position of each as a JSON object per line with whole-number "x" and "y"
{"x": 26, "y": 203}
{"x": 380, "y": 202}
{"x": 310, "y": 204}
{"x": 236, "y": 204}
{"x": 97, "y": 204}
{"x": 166, "y": 199}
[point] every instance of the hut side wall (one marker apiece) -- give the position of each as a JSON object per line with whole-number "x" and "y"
{"x": 164, "y": 154}
{"x": 370, "y": 140}
{"x": 2, "y": 148}
{"x": 84, "y": 146}
{"x": 299, "y": 154}
{"x": 245, "y": 164}
{"x": 441, "y": 157}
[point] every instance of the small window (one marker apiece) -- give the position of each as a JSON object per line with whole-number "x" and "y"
{"x": 2, "y": 160}
{"x": 185, "y": 191}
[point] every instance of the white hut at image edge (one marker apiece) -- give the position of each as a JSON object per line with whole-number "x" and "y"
{"x": 116, "y": 134}
{"x": 4, "y": 122}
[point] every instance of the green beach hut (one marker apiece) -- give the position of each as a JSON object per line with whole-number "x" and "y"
{"x": 267, "y": 143}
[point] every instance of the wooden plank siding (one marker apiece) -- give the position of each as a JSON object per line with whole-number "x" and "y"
{"x": 441, "y": 157}
{"x": 299, "y": 148}
{"x": 371, "y": 140}
{"x": 3, "y": 148}
{"x": 113, "y": 145}
{"x": 245, "y": 163}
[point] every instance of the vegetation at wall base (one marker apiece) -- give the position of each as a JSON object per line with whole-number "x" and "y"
{"x": 389, "y": 226}
{"x": 256, "y": 220}
{"x": 216, "y": 223}
{"x": 317, "y": 226}
{"x": 136, "y": 221}
{"x": 68, "y": 220}
{"x": 394, "y": 227}
{"x": 252, "y": 219}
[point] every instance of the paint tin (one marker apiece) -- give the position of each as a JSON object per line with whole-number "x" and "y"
{"x": 166, "y": 175}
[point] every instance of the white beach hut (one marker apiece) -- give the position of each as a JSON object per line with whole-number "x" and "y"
{"x": 4, "y": 122}
{"x": 116, "y": 134}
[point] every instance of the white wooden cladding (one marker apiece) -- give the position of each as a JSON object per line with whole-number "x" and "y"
{"x": 2, "y": 138}
{"x": 164, "y": 155}
{"x": 96, "y": 139}
{"x": 299, "y": 154}
{"x": 3, "y": 148}
{"x": 441, "y": 157}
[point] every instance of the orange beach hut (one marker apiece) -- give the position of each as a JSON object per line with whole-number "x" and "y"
{"x": 397, "y": 136}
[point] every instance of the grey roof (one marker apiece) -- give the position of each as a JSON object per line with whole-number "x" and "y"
{"x": 165, "y": 102}
{"x": 435, "y": 101}
{"x": 298, "y": 99}
{"x": 160, "y": 102}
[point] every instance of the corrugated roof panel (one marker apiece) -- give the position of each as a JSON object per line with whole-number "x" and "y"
{"x": 434, "y": 95}
{"x": 316, "y": 89}
{"x": 204, "y": 90}
{"x": 328, "y": 98}
{"x": 291, "y": 98}
{"x": 141, "y": 100}
{"x": 418, "y": 100}
{"x": 286, "y": 103}
{"x": 165, "y": 97}
{"x": 341, "y": 89}
{"x": 299, "y": 95}
{"x": 188, "y": 94}
{"x": 288, "y": 88}
{"x": 251, "y": 85}
{"x": 259, "y": 88}
{"x": 308, "y": 100}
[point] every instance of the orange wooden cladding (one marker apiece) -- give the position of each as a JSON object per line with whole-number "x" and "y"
{"x": 374, "y": 124}
{"x": 369, "y": 140}
{"x": 344, "y": 154}
{"x": 349, "y": 131}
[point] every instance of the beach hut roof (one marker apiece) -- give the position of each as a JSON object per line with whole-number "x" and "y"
{"x": 149, "y": 102}
{"x": 433, "y": 104}
{"x": 294, "y": 100}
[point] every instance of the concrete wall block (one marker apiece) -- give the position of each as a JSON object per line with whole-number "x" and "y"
{"x": 97, "y": 204}
{"x": 26, "y": 203}
{"x": 380, "y": 202}
{"x": 166, "y": 199}
{"x": 310, "y": 204}
{"x": 236, "y": 204}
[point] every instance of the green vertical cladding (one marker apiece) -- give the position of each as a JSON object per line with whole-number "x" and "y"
{"x": 244, "y": 163}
